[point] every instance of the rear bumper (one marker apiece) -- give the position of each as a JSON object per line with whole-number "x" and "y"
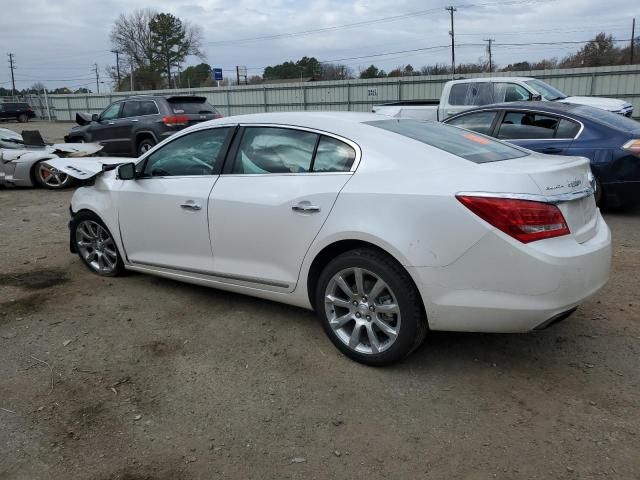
{"x": 500, "y": 285}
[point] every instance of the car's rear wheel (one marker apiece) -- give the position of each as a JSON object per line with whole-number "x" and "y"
{"x": 23, "y": 118}
{"x": 370, "y": 308}
{"x": 145, "y": 145}
{"x": 95, "y": 245}
{"x": 599, "y": 194}
{"x": 49, "y": 177}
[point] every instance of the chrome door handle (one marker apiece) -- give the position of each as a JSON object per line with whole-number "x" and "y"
{"x": 135, "y": 120}
{"x": 190, "y": 205}
{"x": 305, "y": 207}
{"x": 111, "y": 123}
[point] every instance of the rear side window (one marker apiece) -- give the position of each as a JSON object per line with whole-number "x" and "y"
{"x": 470, "y": 146}
{"x": 480, "y": 122}
{"x": 472, "y": 93}
{"x": 527, "y": 125}
{"x": 274, "y": 150}
{"x": 333, "y": 156}
{"x": 148, "y": 107}
{"x": 567, "y": 129}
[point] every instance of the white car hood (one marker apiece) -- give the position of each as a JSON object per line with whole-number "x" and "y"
{"x": 610, "y": 104}
{"x": 85, "y": 168}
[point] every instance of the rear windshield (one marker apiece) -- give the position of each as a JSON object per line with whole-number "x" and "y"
{"x": 194, "y": 106}
{"x": 610, "y": 119}
{"x": 463, "y": 143}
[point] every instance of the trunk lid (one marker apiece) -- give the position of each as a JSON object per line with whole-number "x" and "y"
{"x": 565, "y": 181}
{"x": 85, "y": 168}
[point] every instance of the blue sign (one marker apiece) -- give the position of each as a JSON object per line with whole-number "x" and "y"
{"x": 217, "y": 74}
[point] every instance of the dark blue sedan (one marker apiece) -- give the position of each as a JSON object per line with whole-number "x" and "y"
{"x": 610, "y": 141}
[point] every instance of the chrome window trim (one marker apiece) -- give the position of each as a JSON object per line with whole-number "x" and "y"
{"x": 502, "y": 109}
{"x": 317, "y": 131}
{"x": 552, "y": 199}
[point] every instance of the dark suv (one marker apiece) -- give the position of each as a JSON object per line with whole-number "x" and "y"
{"x": 134, "y": 125}
{"x": 16, "y": 110}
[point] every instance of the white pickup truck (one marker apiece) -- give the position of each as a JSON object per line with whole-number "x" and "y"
{"x": 460, "y": 95}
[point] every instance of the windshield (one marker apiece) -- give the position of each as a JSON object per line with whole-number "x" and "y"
{"x": 463, "y": 143}
{"x": 10, "y": 139}
{"x": 546, "y": 90}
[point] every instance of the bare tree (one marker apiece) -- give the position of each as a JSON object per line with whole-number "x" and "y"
{"x": 131, "y": 35}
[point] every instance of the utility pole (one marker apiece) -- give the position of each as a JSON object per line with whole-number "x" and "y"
{"x": 117, "y": 52}
{"x": 452, "y": 9}
{"x": 633, "y": 34}
{"x": 490, "y": 40}
{"x": 131, "y": 72}
{"x": 95, "y": 66}
{"x": 12, "y": 66}
{"x": 238, "y": 74}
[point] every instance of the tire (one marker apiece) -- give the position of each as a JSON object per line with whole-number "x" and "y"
{"x": 76, "y": 140}
{"x": 145, "y": 145}
{"x": 49, "y": 178}
{"x": 22, "y": 118}
{"x": 95, "y": 245}
{"x": 599, "y": 195}
{"x": 382, "y": 338}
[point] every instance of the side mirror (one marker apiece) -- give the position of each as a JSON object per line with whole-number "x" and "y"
{"x": 127, "y": 171}
{"x": 95, "y": 117}
{"x": 535, "y": 98}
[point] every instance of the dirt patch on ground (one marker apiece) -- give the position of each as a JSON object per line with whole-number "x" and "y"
{"x": 159, "y": 380}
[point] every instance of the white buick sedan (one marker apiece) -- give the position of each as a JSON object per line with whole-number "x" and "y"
{"x": 388, "y": 228}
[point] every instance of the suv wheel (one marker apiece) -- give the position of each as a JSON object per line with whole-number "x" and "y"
{"x": 370, "y": 308}
{"x": 145, "y": 145}
{"x": 22, "y": 118}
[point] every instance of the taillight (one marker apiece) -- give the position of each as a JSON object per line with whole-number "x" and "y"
{"x": 633, "y": 147}
{"x": 175, "y": 120}
{"x": 524, "y": 220}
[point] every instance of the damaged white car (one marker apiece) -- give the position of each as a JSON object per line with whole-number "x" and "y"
{"x": 22, "y": 159}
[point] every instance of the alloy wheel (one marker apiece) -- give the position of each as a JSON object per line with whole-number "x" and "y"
{"x": 50, "y": 177}
{"x": 362, "y": 310}
{"x": 96, "y": 246}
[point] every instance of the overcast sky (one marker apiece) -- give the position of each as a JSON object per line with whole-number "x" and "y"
{"x": 57, "y": 42}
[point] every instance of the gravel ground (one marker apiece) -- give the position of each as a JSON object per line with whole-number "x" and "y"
{"x": 145, "y": 378}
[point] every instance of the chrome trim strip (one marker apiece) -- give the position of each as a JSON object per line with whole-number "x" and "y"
{"x": 206, "y": 273}
{"x": 552, "y": 199}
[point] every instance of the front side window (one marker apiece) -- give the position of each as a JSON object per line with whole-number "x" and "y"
{"x": 468, "y": 145}
{"x": 509, "y": 92}
{"x": 527, "y": 125}
{"x": 193, "y": 154}
{"x": 111, "y": 112}
{"x": 274, "y": 150}
{"x": 480, "y": 122}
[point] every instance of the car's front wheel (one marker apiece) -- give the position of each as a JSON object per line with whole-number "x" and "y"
{"x": 50, "y": 178}
{"x": 22, "y": 118}
{"x": 370, "y": 308}
{"x": 95, "y": 245}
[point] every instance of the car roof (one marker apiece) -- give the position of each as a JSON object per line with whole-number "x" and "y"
{"x": 328, "y": 121}
{"x": 550, "y": 107}
{"x": 491, "y": 79}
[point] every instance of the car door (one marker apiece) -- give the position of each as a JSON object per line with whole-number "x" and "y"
{"x": 104, "y": 130}
{"x": 129, "y": 116}
{"x": 163, "y": 213}
{"x": 538, "y": 131}
{"x": 278, "y": 187}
